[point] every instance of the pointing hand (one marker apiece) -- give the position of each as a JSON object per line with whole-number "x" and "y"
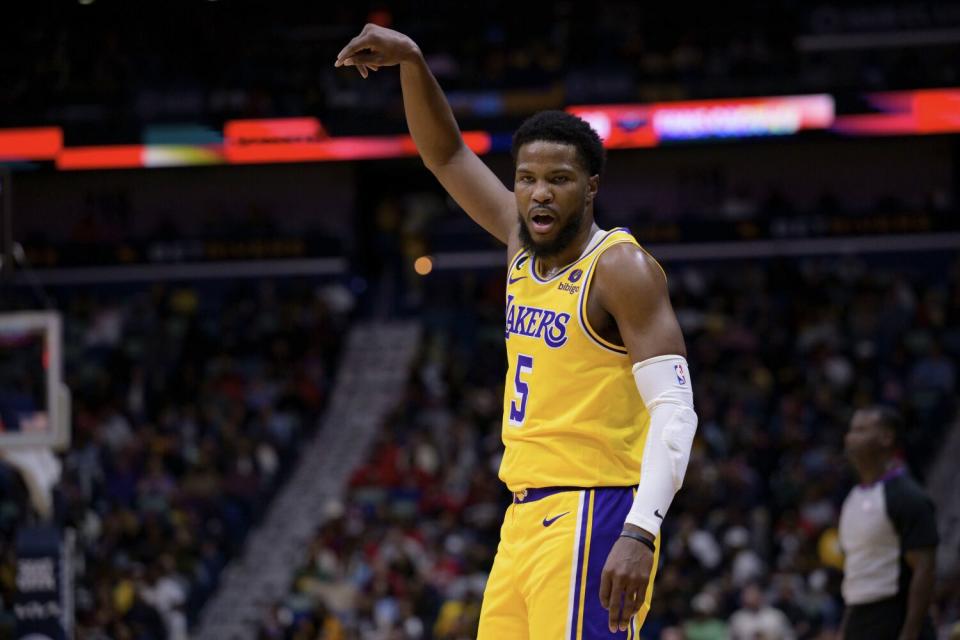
{"x": 376, "y": 47}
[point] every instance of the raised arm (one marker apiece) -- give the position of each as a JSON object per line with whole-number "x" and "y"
{"x": 434, "y": 129}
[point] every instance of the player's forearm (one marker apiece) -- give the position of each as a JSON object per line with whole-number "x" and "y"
{"x": 918, "y": 601}
{"x": 429, "y": 117}
{"x": 664, "y": 386}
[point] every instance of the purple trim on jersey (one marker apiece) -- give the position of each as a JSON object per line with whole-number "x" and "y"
{"x": 533, "y": 264}
{"x": 896, "y": 471}
{"x": 587, "y": 329}
{"x": 582, "y": 305}
{"x": 610, "y": 507}
{"x": 580, "y": 560}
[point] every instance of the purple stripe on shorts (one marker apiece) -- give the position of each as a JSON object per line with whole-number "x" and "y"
{"x": 575, "y": 612}
{"x": 610, "y": 507}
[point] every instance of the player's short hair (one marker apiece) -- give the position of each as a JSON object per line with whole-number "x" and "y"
{"x": 560, "y": 126}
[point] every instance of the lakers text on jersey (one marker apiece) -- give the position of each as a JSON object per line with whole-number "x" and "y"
{"x": 571, "y": 412}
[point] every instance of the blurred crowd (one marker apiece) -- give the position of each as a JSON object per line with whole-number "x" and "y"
{"x": 103, "y": 69}
{"x": 782, "y": 352}
{"x": 190, "y": 403}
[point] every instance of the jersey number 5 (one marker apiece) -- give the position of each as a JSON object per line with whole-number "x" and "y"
{"x": 520, "y": 389}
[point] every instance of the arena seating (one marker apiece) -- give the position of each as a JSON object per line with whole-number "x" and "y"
{"x": 781, "y": 352}
{"x": 191, "y": 403}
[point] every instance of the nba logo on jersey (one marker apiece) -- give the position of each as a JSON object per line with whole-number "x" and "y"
{"x": 575, "y": 275}
{"x": 678, "y": 368}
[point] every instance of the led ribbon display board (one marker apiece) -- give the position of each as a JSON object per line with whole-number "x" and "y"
{"x": 632, "y": 126}
{"x": 905, "y": 113}
{"x": 928, "y": 111}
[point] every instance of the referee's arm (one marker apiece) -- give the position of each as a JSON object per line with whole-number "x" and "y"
{"x": 922, "y": 563}
{"x": 913, "y": 515}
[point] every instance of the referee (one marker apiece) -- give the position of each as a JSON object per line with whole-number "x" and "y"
{"x": 888, "y": 534}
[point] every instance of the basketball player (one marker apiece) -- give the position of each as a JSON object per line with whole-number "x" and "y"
{"x": 598, "y": 409}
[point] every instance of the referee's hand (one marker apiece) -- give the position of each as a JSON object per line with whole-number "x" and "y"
{"x": 623, "y": 585}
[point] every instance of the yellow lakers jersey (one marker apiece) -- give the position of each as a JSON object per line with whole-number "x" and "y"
{"x": 572, "y": 415}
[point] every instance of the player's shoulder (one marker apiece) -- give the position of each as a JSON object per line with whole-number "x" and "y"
{"x": 626, "y": 265}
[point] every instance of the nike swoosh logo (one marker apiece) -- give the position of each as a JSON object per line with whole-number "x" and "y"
{"x": 656, "y": 512}
{"x": 512, "y": 280}
{"x": 549, "y": 522}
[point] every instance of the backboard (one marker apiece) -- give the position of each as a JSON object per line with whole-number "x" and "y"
{"x": 34, "y": 402}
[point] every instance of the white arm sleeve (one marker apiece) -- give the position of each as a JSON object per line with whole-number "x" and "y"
{"x": 665, "y": 386}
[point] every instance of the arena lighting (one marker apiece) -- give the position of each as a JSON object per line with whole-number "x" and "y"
{"x": 631, "y": 126}
{"x": 423, "y": 265}
{"x": 41, "y": 143}
{"x": 102, "y": 157}
{"x": 346, "y": 148}
{"x": 274, "y": 130}
{"x": 332, "y": 149}
{"x": 305, "y": 140}
{"x": 924, "y": 112}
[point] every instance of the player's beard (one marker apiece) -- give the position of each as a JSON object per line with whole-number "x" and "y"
{"x": 568, "y": 232}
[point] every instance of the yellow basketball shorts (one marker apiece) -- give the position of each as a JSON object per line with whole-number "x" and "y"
{"x": 545, "y": 580}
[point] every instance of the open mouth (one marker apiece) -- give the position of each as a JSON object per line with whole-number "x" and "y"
{"x": 541, "y": 222}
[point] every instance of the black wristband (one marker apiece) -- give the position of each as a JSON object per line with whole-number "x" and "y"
{"x": 647, "y": 542}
